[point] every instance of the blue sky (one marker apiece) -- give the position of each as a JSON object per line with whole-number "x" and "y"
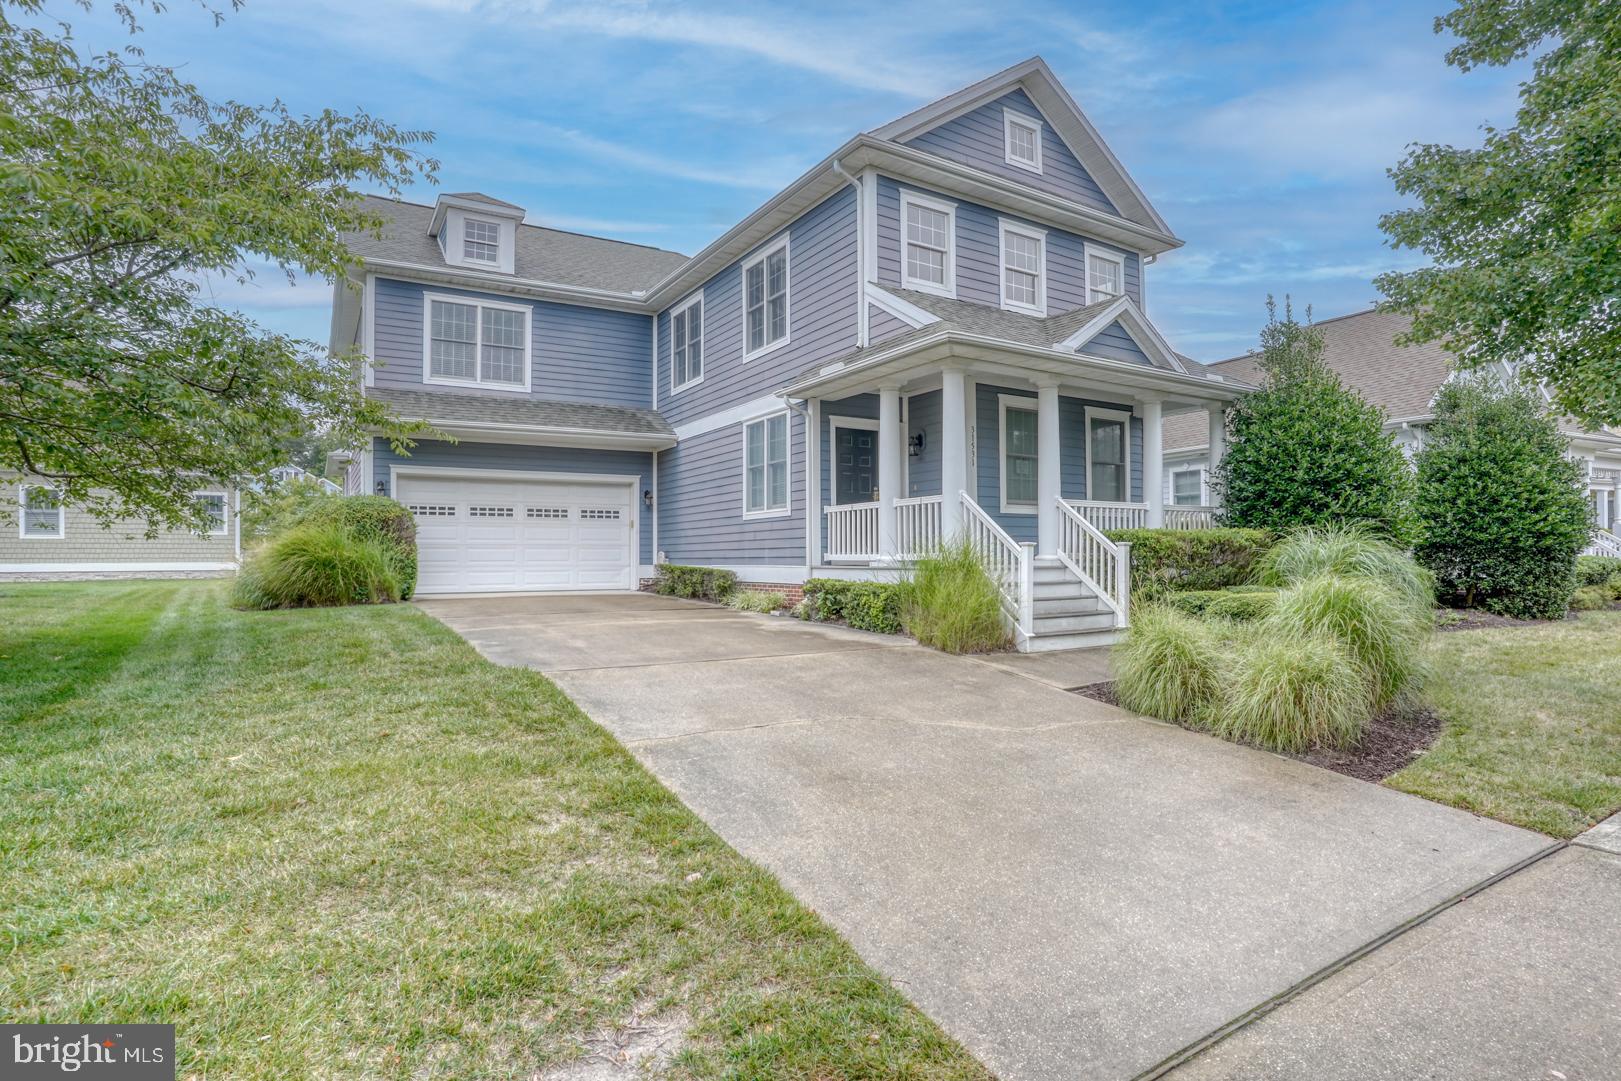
{"x": 1261, "y": 131}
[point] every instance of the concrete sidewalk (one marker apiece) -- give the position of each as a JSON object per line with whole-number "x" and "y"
{"x": 1070, "y": 890}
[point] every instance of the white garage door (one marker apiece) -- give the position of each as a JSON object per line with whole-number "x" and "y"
{"x": 487, "y": 535}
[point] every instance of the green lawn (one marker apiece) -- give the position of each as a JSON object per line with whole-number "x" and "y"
{"x": 1533, "y": 724}
{"x": 340, "y": 844}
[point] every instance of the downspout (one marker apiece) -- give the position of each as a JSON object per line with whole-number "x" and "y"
{"x": 862, "y": 330}
{"x": 813, "y": 484}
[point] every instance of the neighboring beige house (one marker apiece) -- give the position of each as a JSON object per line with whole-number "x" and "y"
{"x": 40, "y": 539}
{"x": 1403, "y": 380}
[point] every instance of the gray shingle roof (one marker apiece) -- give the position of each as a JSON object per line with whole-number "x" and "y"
{"x": 539, "y": 413}
{"x": 548, "y": 255}
{"x": 480, "y": 197}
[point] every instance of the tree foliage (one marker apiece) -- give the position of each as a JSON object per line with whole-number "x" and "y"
{"x": 1523, "y": 229}
{"x": 1501, "y": 506}
{"x": 1304, "y": 450}
{"x": 122, "y": 190}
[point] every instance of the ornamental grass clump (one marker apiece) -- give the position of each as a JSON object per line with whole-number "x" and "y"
{"x": 952, "y": 604}
{"x": 1347, "y": 551}
{"x": 1380, "y": 630}
{"x": 1292, "y": 693}
{"x": 1167, "y": 665}
{"x": 318, "y": 565}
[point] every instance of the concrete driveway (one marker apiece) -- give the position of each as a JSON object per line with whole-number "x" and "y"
{"x": 1070, "y": 890}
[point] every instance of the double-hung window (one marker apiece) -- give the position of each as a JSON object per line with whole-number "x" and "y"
{"x": 687, "y": 344}
{"x": 1021, "y": 136}
{"x": 1105, "y": 274}
{"x": 930, "y": 244}
{"x": 43, "y": 512}
{"x": 1024, "y": 268}
{"x": 1187, "y": 487}
{"x": 765, "y": 299}
{"x": 212, "y": 506}
{"x": 765, "y": 466}
{"x": 477, "y": 343}
{"x": 1018, "y": 456}
{"x": 481, "y": 241}
{"x": 1108, "y": 455}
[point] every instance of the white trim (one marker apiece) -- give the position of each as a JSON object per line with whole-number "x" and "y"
{"x": 1141, "y": 330}
{"x": 451, "y": 472}
{"x": 869, "y": 225}
{"x": 1088, "y": 251}
{"x": 900, "y": 308}
{"x": 225, "y": 512}
{"x": 1168, "y": 483}
{"x": 813, "y": 481}
{"x": 696, "y": 300}
{"x": 53, "y": 568}
{"x": 1003, "y": 403}
{"x": 468, "y": 221}
{"x": 653, "y": 511}
{"x": 535, "y": 436}
{"x": 834, "y": 423}
{"x": 725, "y": 418}
{"x": 948, "y": 288}
{"x": 758, "y": 257}
{"x": 1012, "y": 118}
{"x": 430, "y": 379}
{"x": 1086, "y": 449}
{"x": 787, "y": 460}
{"x": 368, "y": 331}
{"x": 1030, "y": 232}
{"x": 22, "y": 512}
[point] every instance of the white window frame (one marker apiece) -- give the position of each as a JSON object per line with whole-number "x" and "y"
{"x": 225, "y": 512}
{"x": 1028, "y": 405}
{"x": 467, "y": 224}
{"x": 860, "y": 424}
{"x": 949, "y": 287}
{"x": 1170, "y": 486}
{"x": 788, "y": 466}
{"x": 695, "y": 301}
{"x": 1030, "y": 232}
{"x": 1086, "y": 447}
{"x": 1012, "y": 118}
{"x": 478, "y": 345}
{"x": 758, "y": 259}
{"x": 1092, "y": 251}
{"x": 22, "y": 513}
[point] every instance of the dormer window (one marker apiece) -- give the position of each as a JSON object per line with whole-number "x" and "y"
{"x": 1022, "y": 135}
{"x": 481, "y": 241}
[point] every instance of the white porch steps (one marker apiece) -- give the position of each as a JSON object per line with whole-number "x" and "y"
{"x": 1065, "y": 613}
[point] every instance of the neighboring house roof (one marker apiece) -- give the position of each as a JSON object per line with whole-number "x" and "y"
{"x": 450, "y": 408}
{"x": 540, "y": 254}
{"x": 1361, "y": 349}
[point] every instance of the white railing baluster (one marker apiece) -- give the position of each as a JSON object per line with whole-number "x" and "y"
{"x": 917, "y": 526}
{"x": 1007, "y": 562}
{"x": 1101, "y": 564}
{"x": 852, "y": 531}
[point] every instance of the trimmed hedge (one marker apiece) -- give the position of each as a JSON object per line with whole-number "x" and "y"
{"x": 695, "y": 583}
{"x": 373, "y": 518}
{"x": 1591, "y": 598}
{"x": 1242, "y": 604}
{"x": 1596, "y": 570}
{"x": 1167, "y": 561}
{"x": 866, "y": 606}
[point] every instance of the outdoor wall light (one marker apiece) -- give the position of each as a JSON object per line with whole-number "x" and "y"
{"x": 382, "y": 487}
{"x": 914, "y": 446}
{"x": 647, "y": 497}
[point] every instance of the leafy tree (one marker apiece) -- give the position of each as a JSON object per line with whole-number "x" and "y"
{"x": 1500, "y": 504}
{"x": 1304, "y": 450}
{"x": 121, "y": 189}
{"x": 1523, "y": 229}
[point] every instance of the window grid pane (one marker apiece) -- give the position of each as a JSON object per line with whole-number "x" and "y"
{"x": 766, "y": 465}
{"x": 502, "y": 356}
{"x": 1020, "y": 456}
{"x": 766, "y": 296}
{"x": 1022, "y": 142}
{"x": 481, "y": 241}
{"x": 454, "y": 340}
{"x": 1103, "y": 279}
{"x": 40, "y": 512}
{"x": 1022, "y": 276}
{"x": 214, "y": 507}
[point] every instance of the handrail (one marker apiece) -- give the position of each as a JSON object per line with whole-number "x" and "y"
{"x": 1006, "y": 560}
{"x": 1101, "y": 564}
{"x": 1606, "y": 543}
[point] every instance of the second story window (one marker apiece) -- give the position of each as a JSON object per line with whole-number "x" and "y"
{"x": 477, "y": 343}
{"x": 1024, "y": 269}
{"x": 1022, "y": 137}
{"x": 481, "y": 241}
{"x": 1105, "y": 274}
{"x": 765, "y": 299}
{"x": 930, "y": 244}
{"x": 687, "y": 344}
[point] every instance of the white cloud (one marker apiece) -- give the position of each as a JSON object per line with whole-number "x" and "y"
{"x": 765, "y": 175}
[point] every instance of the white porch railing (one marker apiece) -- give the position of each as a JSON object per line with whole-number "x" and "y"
{"x": 1009, "y": 563}
{"x": 852, "y": 531}
{"x": 1101, "y": 564}
{"x": 1605, "y": 543}
{"x": 1187, "y": 517}
{"x": 917, "y": 526}
{"x": 1108, "y": 516}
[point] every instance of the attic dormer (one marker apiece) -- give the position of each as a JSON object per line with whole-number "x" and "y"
{"x": 476, "y": 231}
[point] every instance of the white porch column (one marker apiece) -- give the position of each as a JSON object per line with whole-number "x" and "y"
{"x": 1047, "y": 489}
{"x": 1153, "y": 411}
{"x": 1218, "y": 446}
{"x": 891, "y": 445}
{"x": 953, "y": 450}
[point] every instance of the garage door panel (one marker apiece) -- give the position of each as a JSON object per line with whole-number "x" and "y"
{"x": 479, "y": 534}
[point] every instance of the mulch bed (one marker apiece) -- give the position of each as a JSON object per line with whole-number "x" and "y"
{"x": 1392, "y": 740}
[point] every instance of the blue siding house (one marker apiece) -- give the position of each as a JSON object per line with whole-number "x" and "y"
{"x": 936, "y": 332}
